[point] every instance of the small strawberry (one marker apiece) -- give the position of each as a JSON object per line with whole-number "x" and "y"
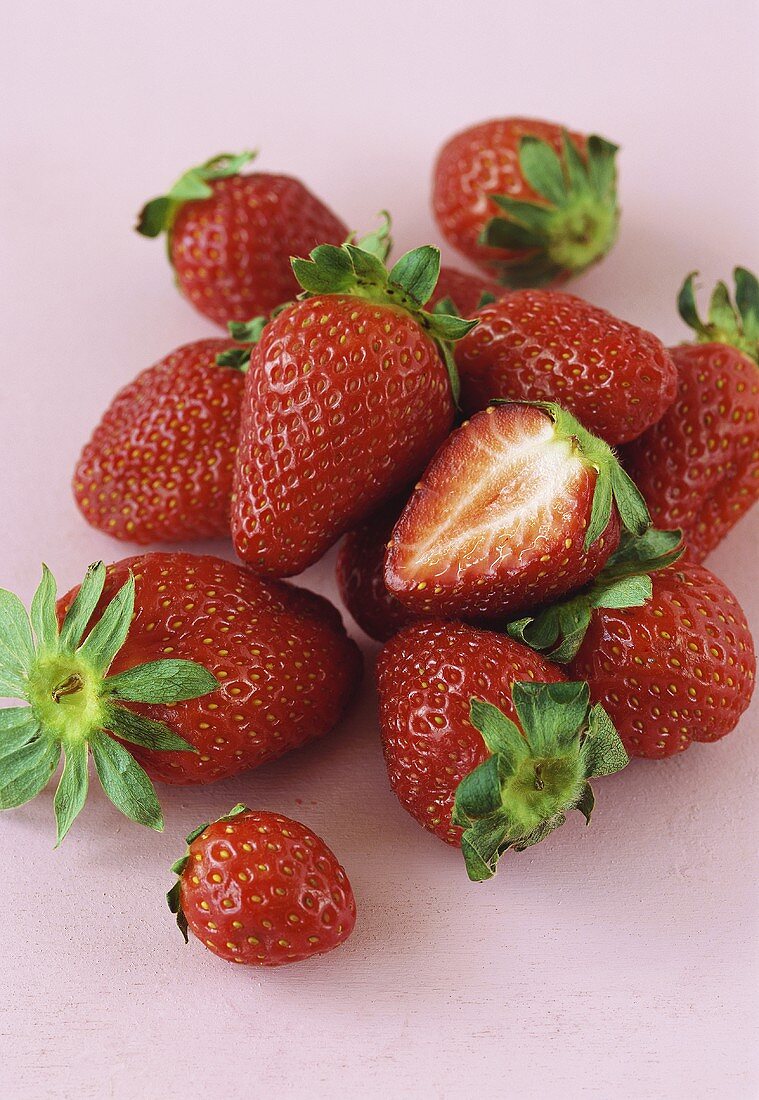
{"x": 462, "y": 293}
{"x": 677, "y": 669}
{"x": 526, "y": 199}
{"x": 520, "y": 505}
{"x": 450, "y": 696}
{"x": 544, "y": 345}
{"x": 258, "y": 888}
{"x": 347, "y": 398}
{"x": 202, "y": 669}
{"x": 160, "y": 463}
{"x": 361, "y": 576}
{"x": 231, "y": 236}
{"x": 698, "y": 467}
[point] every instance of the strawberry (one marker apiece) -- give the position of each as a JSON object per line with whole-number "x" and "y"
{"x": 698, "y": 467}
{"x": 258, "y": 888}
{"x": 361, "y": 576}
{"x": 527, "y": 200}
{"x": 521, "y": 504}
{"x": 230, "y": 236}
{"x": 347, "y": 398}
{"x": 678, "y": 669}
{"x": 544, "y": 345}
{"x": 159, "y": 465}
{"x": 463, "y": 293}
{"x": 200, "y": 667}
{"x": 450, "y": 696}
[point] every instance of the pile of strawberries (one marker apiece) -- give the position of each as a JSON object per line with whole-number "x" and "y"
{"x": 526, "y": 488}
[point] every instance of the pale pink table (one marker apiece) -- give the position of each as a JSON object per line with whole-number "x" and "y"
{"x": 618, "y": 962}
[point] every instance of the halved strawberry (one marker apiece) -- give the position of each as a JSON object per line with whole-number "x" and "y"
{"x": 519, "y": 505}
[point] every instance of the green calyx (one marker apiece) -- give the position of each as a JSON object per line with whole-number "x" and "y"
{"x": 157, "y": 216}
{"x": 351, "y": 269}
{"x": 173, "y": 897}
{"x": 535, "y": 775}
{"x": 613, "y": 484}
{"x": 731, "y": 323}
{"x": 72, "y": 706}
{"x": 625, "y": 581}
{"x": 575, "y": 222}
{"x": 248, "y": 333}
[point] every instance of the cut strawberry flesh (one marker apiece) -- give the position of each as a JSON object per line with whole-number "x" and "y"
{"x": 498, "y": 521}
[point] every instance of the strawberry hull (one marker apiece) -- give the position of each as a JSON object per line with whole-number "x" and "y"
{"x": 426, "y": 677}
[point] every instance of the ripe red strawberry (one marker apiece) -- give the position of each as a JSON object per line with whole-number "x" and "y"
{"x": 449, "y": 697}
{"x": 231, "y": 236}
{"x": 678, "y": 669}
{"x": 347, "y": 398}
{"x": 698, "y": 467}
{"x": 258, "y": 888}
{"x": 520, "y": 505}
{"x": 201, "y": 668}
{"x": 160, "y": 463}
{"x": 544, "y": 345}
{"x": 361, "y": 576}
{"x": 527, "y": 199}
{"x": 463, "y": 292}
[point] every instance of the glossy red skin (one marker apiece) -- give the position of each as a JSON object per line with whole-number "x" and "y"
{"x": 698, "y": 467}
{"x": 264, "y": 890}
{"x": 286, "y": 667}
{"x": 361, "y": 576}
{"x": 463, "y": 289}
{"x": 504, "y": 592}
{"x": 545, "y": 345}
{"x": 231, "y": 252}
{"x": 159, "y": 466}
{"x": 426, "y": 677}
{"x": 481, "y": 161}
{"x": 677, "y": 670}
{"x": 345, "y": 403}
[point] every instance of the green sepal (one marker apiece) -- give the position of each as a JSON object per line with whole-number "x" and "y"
{"x": 727, "y": 323}
{"x": 602, "y": 750}
{"x": 613, "y": 484}
{"x": 42, "y": 612}
{"x": 550, "y": 714}
{"x": 109, "y": 633}
{"x": 82, "y": 607}
{"x": 139, "y": 730}
{"x": 73, "y": 705}
{"x": 16, "y": 646}
{"x": 157, "y": 216}
{"x": 586, "y": 803}
{"x": 572, "y": 224}
{"x": 125, "y": 782}
{"x": 378, "y": 242}
{"x": 24, "y": 773}
{"x": 523, "y": 791}
{"x": 164, "y": 681}
{"x": 351, "y": 270}
{"x": 72, "y": 789}
{"x": 558, "y": 631}
{"x": 174, "y": 896}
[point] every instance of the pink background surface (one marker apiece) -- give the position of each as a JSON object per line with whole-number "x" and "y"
{"x": 615, "y": 962}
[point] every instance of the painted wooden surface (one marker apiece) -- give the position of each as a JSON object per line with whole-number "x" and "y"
{"x": 618, "y": 961}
